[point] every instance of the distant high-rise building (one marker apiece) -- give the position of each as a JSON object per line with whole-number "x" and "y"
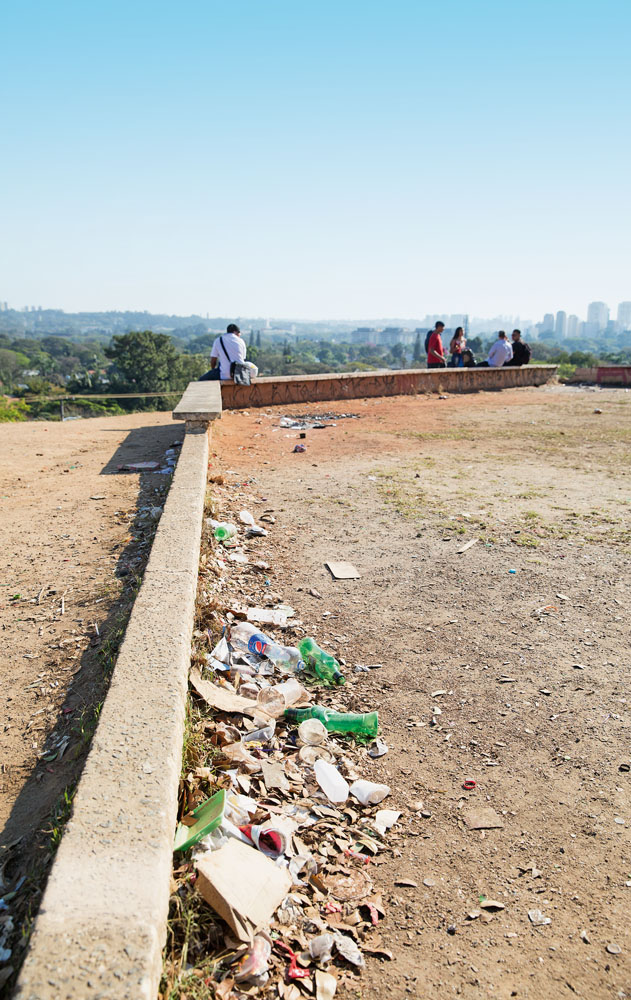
{"x": 548, "y": 323}
{"x": 560, "y": 324}
{"x": 624, "y": 316}
{"x": 364, "y": 335}
{"x": 571, "y": 328}
{"x": 598, "y": 313}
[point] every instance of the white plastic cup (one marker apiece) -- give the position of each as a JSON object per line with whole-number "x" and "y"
{"x": 368, "y": 792}
{"x": 312, "y": 732}
{"x": 334, "y": 786}
{"x": 274, "y": 700}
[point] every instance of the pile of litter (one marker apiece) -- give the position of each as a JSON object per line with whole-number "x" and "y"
{"x": 280, "y": 823}
{"x": 303, "y": 421}
{"x": 166, "y": 468}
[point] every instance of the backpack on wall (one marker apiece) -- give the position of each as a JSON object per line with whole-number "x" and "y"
{"x": 239, "y": 373}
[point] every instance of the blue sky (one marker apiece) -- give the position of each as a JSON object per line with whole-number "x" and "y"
{"x": 347, "y": 159}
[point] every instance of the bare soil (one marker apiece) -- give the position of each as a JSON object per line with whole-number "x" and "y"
{"x": 528, "y": 669}
{"x": 535, "y": 708}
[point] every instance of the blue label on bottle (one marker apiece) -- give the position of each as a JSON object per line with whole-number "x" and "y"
{"x": 257, "y": 643}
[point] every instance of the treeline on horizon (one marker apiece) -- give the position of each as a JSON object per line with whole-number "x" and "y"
{"x": 38, "y": 366}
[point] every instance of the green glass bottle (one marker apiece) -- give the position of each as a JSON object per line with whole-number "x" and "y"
{"x": 336, "y": 722}
{"x": 325, "y": 666}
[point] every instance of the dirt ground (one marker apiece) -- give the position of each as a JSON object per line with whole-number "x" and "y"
{"x": 521, "y": 643}
{"x": 74, "y": 533}
{"x": 533, "y": 703}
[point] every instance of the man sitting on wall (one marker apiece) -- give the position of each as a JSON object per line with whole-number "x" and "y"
{"x": 227, "y": 350}
{"x": 500, "y": 353}
{"x": 521, "y": 350}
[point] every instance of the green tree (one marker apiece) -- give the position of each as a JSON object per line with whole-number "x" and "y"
{"x": 418, "y": 348}
{"x": 397, "y": 355}
{"x": 145, "y": 361}
{"x": 12, "y": 364}
{"x": 192, "y": 367}
{"x": 258, "y": 338}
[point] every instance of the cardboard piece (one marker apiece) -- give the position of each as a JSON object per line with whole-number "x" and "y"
{"x": 342, "y": 570}
{"x": 221, "y": 698}
{"x": 482, "y": 819}
{"x": 242, "y": 886}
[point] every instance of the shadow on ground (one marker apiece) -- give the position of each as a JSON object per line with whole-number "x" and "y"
{"x": 136, "y": 448}
{"x": 35, "y": 825}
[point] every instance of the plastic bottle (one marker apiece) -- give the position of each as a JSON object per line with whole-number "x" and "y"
{"x": 334, "y": 786}
{"x": 337, "y": 722}
{"x": 225, "y": 530}
{"x": 275, "y": 699}
{"x": 326, "y": 666}
{"x": 247, "y": 637}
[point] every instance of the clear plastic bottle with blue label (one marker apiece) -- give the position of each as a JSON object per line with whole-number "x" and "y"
{"x": 248, "y": 638}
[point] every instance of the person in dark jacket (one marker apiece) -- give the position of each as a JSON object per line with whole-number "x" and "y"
{"x": 521, "y": 351}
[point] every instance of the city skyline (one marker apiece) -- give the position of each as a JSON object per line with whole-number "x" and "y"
{"x": 338, "y": 160}
{"x": 565, "y": 326}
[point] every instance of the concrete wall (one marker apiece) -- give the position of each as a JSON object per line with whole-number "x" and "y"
{"x": 614, "y": 375}
{"x": 102, "y": 922}
{"x": 359, "y": 385}
{"x": 604, "y": 375}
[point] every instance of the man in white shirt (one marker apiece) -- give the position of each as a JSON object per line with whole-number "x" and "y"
{"x": 501, "y": 351}
{"x": 226, "y": 349}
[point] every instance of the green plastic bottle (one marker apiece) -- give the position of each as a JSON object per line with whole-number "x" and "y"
{"x": 336, "y": 722}
{"x": 326, "y": 666}
{"x": 225, "y": 530}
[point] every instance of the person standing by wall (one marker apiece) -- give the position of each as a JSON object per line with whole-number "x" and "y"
{"x": 457, "y": 346}
{"x": 435, "y": 352}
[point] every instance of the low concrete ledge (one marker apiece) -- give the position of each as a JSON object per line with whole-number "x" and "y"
{"x": 604, "y": 375}
{"x": 102, "y": 922}
{"x": 200, "y": 404}
{"x": 360, "y": 385}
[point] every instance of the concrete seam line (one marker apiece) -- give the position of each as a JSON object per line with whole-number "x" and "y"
{"x": 102, "y": 921}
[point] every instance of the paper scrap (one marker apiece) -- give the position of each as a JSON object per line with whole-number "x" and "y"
{"x": 467, "y": 546}
{"x": 221, "y": 698}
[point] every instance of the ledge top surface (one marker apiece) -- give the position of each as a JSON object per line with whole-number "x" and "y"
{"x": 201, "y": 401}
